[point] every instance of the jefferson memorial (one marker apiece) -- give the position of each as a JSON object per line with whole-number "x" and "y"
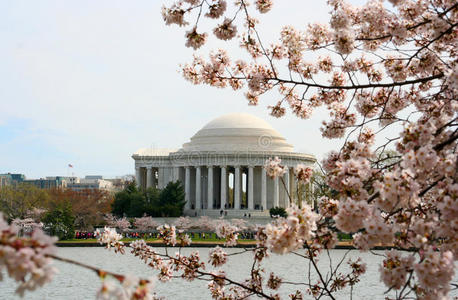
{"x": 221, "y": 168}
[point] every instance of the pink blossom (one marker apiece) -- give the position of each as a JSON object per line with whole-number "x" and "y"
{"x": 228, "y": 232}
{"x": 205, "y": 223}
{"x": 394, "y": 270}
{"x": 399, "y": 189}
{"x": 226, "y": 30}
{"x": 183, "y": 223}
{"x": 274, "y": 281}
{"x": 145, "y": 223}
{"x": 123, "y": 224}
{"x": 344, "y": 40}
{"x": 174, "y": 15}
{"x": 26, "y": 259}
{"x": 377, "y": 231}
{"x": 303, "y": 173}
{"x": 351, "y": 215}
{"x": 192, "y": 2}
{"x": 328, "y": 207}
{"x": 274, "y": 168}
{"x": 217, "y": 9}
{"x": 111, "y": 238}
{"x": 194, "y": 39}
{"x": 289, "y": 234}
{"x": 435, "y": 271}
{"x": 264, "y": 6}
{"x": 217, "y": 257}
{"x": 277, "y": 111}
{"x": 168, "y": 234}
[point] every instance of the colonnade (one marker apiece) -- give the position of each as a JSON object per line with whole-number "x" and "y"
{"x": 222, "y": 187}
{"x": 147, "y": 177}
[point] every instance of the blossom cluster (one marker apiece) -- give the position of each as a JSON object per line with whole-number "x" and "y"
{"x": 130, "y": 288}
{"x": 228, "y": 232}
{"x": 435, "y": 270}
{"x": 274, "y": 168}
{"x": 303, "y": 173}
{"x": 145, "y": 223}
{"x": 121, "y": 223}
{"x": 217, "y": 256}
{"x": 111, "y": 238}
{"x": 26, "y": 259}
{"x": 291, "y": 233}
{"x": 168, "y": 234}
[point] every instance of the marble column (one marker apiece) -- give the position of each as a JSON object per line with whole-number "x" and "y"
{"x": 276, "y": 192}
{"x": 138, "y": 177}
{"x": 188, "y": 188}
{"x": 250, "y": 188}
{"x": 198, "y": 188}
{"x": 237, "y": 188}
{"x": 154, "y": 179}
{"x": 223, "y": 186}
{"x": 293, "y": 188}
{"x": 176, "y": 171}
{"x": 287, "y": 190}
{"x": 160, "y": 177}
{"x": 264, "y": 189}
{"x": 210, "y": 187}
{"x": 149, "y": 176}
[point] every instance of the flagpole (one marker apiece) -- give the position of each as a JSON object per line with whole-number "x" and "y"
{"x": 68, "y": 170}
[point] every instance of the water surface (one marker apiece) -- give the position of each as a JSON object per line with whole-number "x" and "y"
{"x": 74, "y": 282}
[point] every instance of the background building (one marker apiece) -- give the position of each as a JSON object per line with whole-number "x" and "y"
{"x": 48, "y": 183}
{"x": 11, "y": 179}
{"x": 92, "y": 182}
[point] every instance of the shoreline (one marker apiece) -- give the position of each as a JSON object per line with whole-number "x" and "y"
{"x": 345, "y": 245}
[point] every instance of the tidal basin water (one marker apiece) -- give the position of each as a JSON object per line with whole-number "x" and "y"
{"x": 74, "y": 282}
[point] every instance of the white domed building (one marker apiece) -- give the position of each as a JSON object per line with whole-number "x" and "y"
{"x": 221, "y": 167}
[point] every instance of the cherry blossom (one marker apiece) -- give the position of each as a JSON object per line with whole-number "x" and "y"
{"x": 351, "y": 215}
{"x": 434, "y": 271}
{"x": 274, "y": 168}
{"x": 122, "y": 223}
{"x": 145, "y": 223}
{"x": 183, "y": 223}
{"x": 217, "y": 9}
{"x": 168, "y": 234}
{"x": 217, "y": 256}
{"x": 286, "y": 235}
{"x": 110, "y": 237}
{"x": 26, "y": 259}
{"x": 264, "y": 6}
{"x": 303, "y": 173}
{"x": 228, "y": 232}
{"x": 194, "y": 39}
{"x": 226, "y": 30}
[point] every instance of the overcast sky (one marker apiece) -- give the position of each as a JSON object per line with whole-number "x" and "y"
{"x": 87, "y": 83}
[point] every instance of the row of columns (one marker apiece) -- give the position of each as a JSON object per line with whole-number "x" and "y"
{"x": 156, "y": 177}
{"x": 150, "y": 177}
{"x": 151, "y": 181}
{"x": 224, "y": 187}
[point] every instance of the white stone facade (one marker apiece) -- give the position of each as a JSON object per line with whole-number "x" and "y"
{"x": 91, "y": 184}
{"x": 221, "y": 168}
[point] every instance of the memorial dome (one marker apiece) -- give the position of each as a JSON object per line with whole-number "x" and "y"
{"x": 237, "y": 132}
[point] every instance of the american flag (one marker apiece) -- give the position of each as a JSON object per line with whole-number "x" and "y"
{"x": 70, "y": 165}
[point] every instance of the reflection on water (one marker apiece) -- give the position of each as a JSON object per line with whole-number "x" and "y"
{"x": 74, "y": 282}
